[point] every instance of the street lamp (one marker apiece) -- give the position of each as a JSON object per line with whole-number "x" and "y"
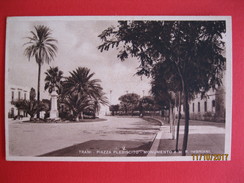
{"x": 110, "y": 97}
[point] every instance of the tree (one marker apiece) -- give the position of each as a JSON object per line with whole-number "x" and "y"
{"x": 32, "y": 94}
{"x": 77, "y": 104}
{"x": 146, "y": 103}
{"x": 129, "y": 102}
{"x": 178, "y": 122}
{"x": 43, "y": 48}
{"x": 31, "y": 107}
{"x": 81, "y": 83}
{"x": 53, "y": 80}
{"x": 165, "y": 82}
{"x": 194, "y": 48}
{"x": 81, "y": 87}
{"x": 46, "y": 105}
{"x": 114, "y": 109}
{"x": 102, "y": 99}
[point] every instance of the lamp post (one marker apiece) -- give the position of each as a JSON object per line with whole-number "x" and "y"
{"x": 110, "y": 97}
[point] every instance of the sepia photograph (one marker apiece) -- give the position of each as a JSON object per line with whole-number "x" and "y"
{"x": 118, "y": 88}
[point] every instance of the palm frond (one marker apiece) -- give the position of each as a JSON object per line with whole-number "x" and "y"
{"x": 41, "y": 45}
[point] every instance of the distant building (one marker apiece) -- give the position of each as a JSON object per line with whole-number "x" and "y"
{"x": 16, "y": 93}
{"x": 209, "y": 108}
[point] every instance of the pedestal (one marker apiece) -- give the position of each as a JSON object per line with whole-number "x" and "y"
{"x": 54, "y": 105}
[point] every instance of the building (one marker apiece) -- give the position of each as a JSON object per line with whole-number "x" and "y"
{"x": 16, "y": 93}
{"x": 211, "y": 107}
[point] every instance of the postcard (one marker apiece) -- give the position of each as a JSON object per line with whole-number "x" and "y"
{"x": 118, "y": 88}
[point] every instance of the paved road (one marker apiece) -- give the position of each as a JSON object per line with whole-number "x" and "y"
{"x": 81, "y": 139}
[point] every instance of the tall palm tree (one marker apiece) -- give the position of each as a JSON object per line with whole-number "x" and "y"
{"x": 53, "y": 80}
{"x": 43, "y": 48}
{"x": 81, "y": 86}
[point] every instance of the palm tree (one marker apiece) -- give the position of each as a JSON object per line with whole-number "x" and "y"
{"x": 82, "y": 87}
{"x": 41, "y": 46}
{"x": 31, "y": 107}
{"x": 53, "y": 80}
{"x": 80, "y": 82}
{"x": 77, "y": 104}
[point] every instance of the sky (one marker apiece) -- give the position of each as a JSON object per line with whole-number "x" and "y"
{"x": 77, "y": 47}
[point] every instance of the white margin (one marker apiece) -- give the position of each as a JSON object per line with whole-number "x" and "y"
{"x": 228, "y": 87}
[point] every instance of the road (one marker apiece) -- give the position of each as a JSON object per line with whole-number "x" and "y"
{"x": 106, "y": 138}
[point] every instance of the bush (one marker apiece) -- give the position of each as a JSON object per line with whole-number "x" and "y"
{"x": 209, "y": 116}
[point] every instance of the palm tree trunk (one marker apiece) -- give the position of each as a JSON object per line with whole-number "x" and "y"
{"x": 178, "y": 123}
{"x": 38, "y": 88}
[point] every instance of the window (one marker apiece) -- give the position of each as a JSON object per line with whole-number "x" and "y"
{"x": 213, "y": 103}
{"x": 19, "y": 95}
{"x": 193, "y": 107}
{"x": 198, "y": 106}
{"x": 205, "y": 106}
{"x": 25, "y": 96}
{"x": 12, "y": 98}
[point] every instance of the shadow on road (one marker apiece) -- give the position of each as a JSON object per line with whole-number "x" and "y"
{"x": 103, "y": 148}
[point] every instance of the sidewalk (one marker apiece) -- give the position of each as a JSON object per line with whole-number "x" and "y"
{"x": 204, "y": 137}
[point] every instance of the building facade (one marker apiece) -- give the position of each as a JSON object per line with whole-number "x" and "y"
{"x": 16, "y": 93}
{"x": 211, "y": 107}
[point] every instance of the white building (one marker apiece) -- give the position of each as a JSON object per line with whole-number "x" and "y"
{"x": 16, "y": 93}
{"x": 210, "y": 108}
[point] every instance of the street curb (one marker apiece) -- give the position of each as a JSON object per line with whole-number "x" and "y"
{"x": 155, "y": 144}
{"x": 156, "y": 141}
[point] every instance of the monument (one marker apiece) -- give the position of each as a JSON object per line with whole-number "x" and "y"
{"x": 54, "y": 105}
